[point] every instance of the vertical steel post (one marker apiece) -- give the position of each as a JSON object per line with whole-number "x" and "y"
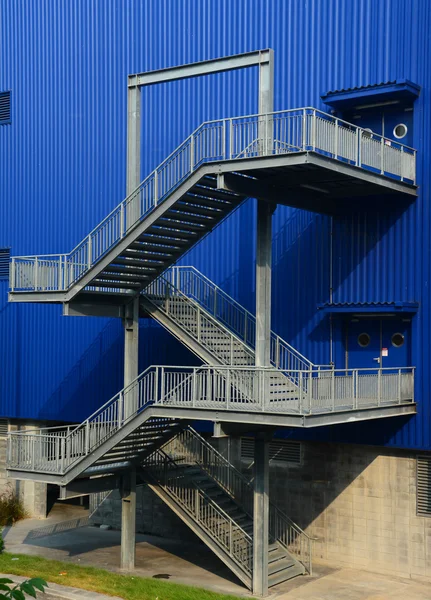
{"x": 128, "y": 520}
{"x": 131, "y": 349}
{"x": 133, "y": 175}
{"x": 261, "y": 515}
{"x": 263, "y": 283}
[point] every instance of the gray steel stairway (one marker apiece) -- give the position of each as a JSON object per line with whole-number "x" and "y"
{"x": 189, "y": 311}
{"x": 216, "y": 502}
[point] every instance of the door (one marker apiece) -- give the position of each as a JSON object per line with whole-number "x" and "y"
{"x": 363, "y": 344}
{"x": 396, "y": 347}
{"x": 371, "y": 343}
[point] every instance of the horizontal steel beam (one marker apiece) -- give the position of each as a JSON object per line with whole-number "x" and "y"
{"x": 205, "y": 67}
{"x": 80, "y": 487}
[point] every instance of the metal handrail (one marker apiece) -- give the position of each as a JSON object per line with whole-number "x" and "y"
{"x": 222, "y": 535}
{"x": 250, "y": 136}
{"x": 226, "y": 478}
{"x": 221, "y": 388}
{"x": 249, "y": 321}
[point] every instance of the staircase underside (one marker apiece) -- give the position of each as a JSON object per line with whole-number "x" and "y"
{"x": 302, "y": 180}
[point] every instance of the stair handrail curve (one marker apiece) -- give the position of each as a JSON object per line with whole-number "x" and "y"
{"x": 281, "y": 527}
{"x": 294, "y": 130}
{"x": 151, "y": 462}
{"x": 282, "y": 354}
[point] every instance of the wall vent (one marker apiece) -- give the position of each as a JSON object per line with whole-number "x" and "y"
{"x": 5, "y": 112}
{"x": 280, "y": 451}
{"x": 4, "y": 425}
{"x": 424, "y": 486}
{"x": 4, "y": 263}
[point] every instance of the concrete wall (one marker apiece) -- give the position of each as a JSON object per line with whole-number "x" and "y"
{"x": 360, "y": 502}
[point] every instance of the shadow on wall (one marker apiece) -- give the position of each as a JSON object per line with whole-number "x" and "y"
{"x": 98, "y": 374}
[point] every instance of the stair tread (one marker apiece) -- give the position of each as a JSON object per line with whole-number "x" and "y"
{"x": 285, "y": 575}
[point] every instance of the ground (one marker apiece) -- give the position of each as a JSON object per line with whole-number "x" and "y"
{"x": 66, "y": 536}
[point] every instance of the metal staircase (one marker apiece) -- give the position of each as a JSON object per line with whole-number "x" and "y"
{"x": 216, "y": 501}
{"x": 207, "y": 177}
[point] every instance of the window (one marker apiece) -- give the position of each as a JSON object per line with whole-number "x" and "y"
{"x": 397, "y": 340}
{"x": 4, "y": 263}
{"x": 281, "y": 451}
{"x": 5, "y": 112}
{"x": 423, "y": 475}
{"x": 364, "y": 340}
{"x": 400, "y": 130}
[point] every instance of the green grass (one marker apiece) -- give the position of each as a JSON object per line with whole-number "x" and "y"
{"x": 129, "y": 587}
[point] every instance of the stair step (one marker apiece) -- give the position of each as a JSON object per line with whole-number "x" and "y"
{"x": 171, "y": 233}
{"x": 195, "y": 209}
{"x": 281, "y": 564}
{"x": 179, "y": 224}
{"x": 155, "y": 241}
{"x": 285, "y": 575}
{"x": 276, "y": 554}
{"x": 114, "y": 284}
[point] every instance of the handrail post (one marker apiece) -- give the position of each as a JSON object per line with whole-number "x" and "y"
{"x": 228, "y": 390}
{"x": 36, "y": 273}
{"x": 122, "y": 228}
{"x": 382, "y": 150}
{"x": 120, "y": 409}
{"x": 230, "y": 138}
{"x": 379, "y": 375}
{"x": 230, "y": 538}
{"x": 215, "y": 302}
{"x": 12, "y": 274}
{"x": 277, "y": 352}
{"x": 313, "y": 130}
{"x": 333, "y": 389}
{"x": 194, "y": 387}
{"x": 301, "y": 392}
{"x": 156, "y": 187}
{"x": 192, "y": 152}
{"x": 358, "y": 146}
{"x": 162, "y": 383}
{"x": 87, "y": 436}
{"x": 399, "y": 386}
{"x": 63, "y": 451}
{"x": 89, "y": 251}
{"x": 198, "y": 324}
{"x": 304, "y": 129}
{"x": 402, "y": 163}
{"x": 336, "y": 140}
{"x": 245, "y": 326}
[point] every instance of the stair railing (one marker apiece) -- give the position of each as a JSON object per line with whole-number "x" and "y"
{"x": 295, "y": 130}
{"x": 235, "y": 317}
{"x": 188, "y": 446}
{"x": 198, "y": 323}
{"x": 215, "y": 522}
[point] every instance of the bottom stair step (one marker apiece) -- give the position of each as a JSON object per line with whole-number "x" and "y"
{"x": 285, "y": 574}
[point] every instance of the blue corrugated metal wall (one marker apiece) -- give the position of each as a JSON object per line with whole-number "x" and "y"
{"x": 62, "y": 169}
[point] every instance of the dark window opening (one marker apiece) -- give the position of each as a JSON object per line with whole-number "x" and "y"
{"x": 5, "y": 111}
{"x": 397, "y": 340}
{"x": 4, "y": 263}
{"x": 364, "y": 340}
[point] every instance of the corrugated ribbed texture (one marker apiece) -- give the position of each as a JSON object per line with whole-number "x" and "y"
{"x": 62, "y": 169}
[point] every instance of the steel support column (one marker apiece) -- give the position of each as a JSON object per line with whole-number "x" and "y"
{"x": 133, "y": 175}
{"x": 261, "y": 515}
{"x": 131, "y": 354}
{"x": 128, "y": 521}
{"x": 263, "y": 283}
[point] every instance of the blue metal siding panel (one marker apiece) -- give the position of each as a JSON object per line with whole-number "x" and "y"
{"x": 63, "y": 169}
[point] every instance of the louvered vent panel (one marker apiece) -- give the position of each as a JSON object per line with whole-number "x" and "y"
{"x": 5, "y": 112}
{"x": 424, "y": 485}
{"x": 4, "y": 263}
{"x": 279, "y": 451}
{"x": 3, "y": 427}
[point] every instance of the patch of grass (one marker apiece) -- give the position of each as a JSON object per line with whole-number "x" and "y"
{"x": 11, "y": 508}
{"x": 129, "y": 587}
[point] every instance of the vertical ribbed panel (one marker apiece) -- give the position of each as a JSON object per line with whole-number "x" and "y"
{"x": 62, "y": 169}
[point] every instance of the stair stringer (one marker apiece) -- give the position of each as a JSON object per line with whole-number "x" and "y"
{"x": 198, "y": 531}
{"x": 141, "y": 226}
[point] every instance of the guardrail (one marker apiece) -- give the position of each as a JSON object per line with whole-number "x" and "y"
{"x": 189, "y": 446}
{"x": 222, "y": 388}
{"x": 246, "y": 137}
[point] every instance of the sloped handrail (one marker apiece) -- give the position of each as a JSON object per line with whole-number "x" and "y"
{"x": 232, "y": 314}
{"x": 191, "y": 446}
{"x": 252, "y": 136}
{"x": 216, "y": 522}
